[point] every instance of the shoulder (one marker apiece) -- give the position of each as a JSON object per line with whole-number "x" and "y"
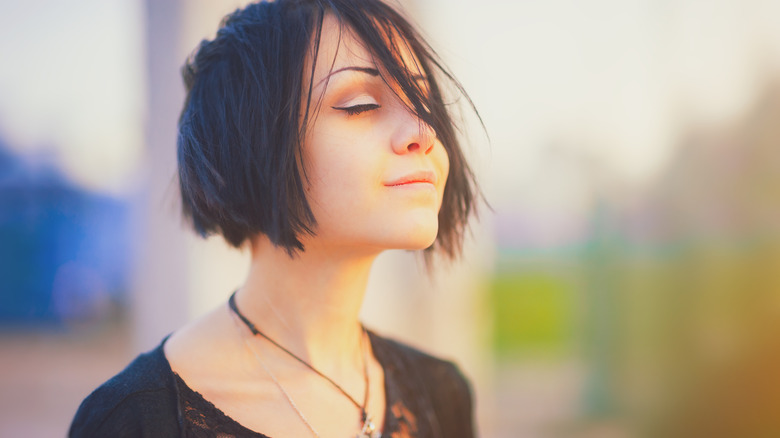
{"x": 139, "y": 401}
{"x": 405, "y": 358}
{"x": 439, "y": 381}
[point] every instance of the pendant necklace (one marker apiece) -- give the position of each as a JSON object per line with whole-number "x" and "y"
{"x": 367, "y": 429}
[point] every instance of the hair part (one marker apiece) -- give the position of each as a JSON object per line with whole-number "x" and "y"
{"x": 241, "y": 131}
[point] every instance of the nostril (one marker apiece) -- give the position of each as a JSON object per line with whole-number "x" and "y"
{"x": 413, "y": 147}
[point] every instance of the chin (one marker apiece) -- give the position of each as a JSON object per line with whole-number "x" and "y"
{"x": 405, "y": 232}
{"x": 421, "y": 237}
{"x": 425, "y": 229}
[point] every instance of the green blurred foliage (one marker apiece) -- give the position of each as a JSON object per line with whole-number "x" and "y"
{"x": 533, "y": 312}
{"x": 681, "y": 341}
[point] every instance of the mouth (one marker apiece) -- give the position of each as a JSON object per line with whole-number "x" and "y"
{"x": 421, "y": 177}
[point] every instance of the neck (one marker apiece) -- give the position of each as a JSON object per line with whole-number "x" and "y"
{"x": 310, "y": 302}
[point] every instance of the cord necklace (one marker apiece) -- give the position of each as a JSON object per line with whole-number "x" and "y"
{"x": 368, "y": 428}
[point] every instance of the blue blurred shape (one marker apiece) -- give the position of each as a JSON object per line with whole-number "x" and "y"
{"x": 64, "y": 251}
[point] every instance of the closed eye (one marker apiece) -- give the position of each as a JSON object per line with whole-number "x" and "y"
{"x": 358, "y": 109}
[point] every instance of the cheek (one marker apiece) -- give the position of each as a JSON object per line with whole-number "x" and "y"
{"x": 445, "y": 162}
{"x": 340, "y": 178}
{"x": 441, "y": 160}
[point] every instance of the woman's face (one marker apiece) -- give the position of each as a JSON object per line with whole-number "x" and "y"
{"x": 375, "y": 172}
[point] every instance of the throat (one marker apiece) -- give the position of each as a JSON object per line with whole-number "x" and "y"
{"x": 367, "y": 428}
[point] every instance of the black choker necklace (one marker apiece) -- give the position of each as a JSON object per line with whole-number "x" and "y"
{"x": 368, "y": 429}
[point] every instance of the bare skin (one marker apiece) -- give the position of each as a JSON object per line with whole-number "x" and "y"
{"x": 213, "y": 358}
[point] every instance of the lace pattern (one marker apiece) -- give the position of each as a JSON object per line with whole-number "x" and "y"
{"x": 204, "y": 420}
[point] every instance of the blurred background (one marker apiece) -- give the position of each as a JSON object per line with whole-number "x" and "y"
{"x": 624, "y": 283}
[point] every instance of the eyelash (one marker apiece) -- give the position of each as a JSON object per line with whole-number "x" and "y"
{"x": 358, "y": 109}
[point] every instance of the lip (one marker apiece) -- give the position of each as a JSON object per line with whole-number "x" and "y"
{"x": 419, "y": 177}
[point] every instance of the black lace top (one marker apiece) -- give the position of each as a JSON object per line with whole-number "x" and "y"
{"x": 425, "y": 397}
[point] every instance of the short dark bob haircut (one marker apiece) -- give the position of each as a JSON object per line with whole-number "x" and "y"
{"x": 241, "y": 131}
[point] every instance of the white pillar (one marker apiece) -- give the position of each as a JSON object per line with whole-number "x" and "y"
{"x": 159, "y": 297}
{"x": 178, "y": 276}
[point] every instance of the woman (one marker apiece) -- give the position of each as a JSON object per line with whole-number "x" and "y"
{"x": 315, "y": 132}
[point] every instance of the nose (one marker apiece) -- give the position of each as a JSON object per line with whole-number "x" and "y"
{"x": 413, "y": 135}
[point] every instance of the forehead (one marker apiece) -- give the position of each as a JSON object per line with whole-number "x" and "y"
{"x": 339, "y": 47}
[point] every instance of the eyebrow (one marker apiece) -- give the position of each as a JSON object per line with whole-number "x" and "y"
{"x": 367, "y": 70}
